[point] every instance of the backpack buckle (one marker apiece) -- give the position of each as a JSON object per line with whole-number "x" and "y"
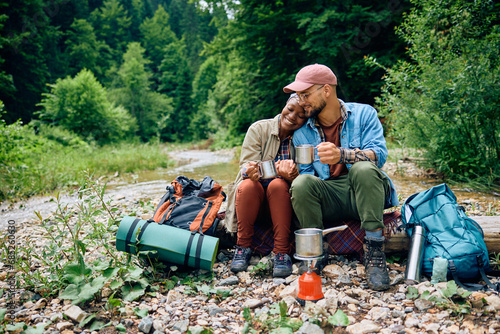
{"x": 452, "y": 266}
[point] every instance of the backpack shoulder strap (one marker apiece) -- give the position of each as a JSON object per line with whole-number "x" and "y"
{"x": 169, "y": 196}
{"x": 494, "y": 287}
{"x": 466, "y": 286}
{"x": 407, "y": 213}
{"x": 471, "y": 286}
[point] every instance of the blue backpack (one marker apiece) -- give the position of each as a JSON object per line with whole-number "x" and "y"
{"x": 449, "y": 234}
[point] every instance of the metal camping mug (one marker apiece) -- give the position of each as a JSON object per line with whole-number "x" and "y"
{"x": 309, "y": 241}
{"x": 267, "y": 169}
{"x": 304, "y": 154}
{"x": 415, "y": 256}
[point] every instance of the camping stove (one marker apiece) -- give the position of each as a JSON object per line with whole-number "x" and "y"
{"x": 309, "y": 282}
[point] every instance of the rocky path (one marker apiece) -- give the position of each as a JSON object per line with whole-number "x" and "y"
{"x": 206, "y": 304}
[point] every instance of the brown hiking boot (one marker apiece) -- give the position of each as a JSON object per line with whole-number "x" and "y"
{"x": 375, "y": 263}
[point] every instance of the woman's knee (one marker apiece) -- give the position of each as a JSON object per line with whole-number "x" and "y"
{"x": 278, "y": 185}
{"x": 248, "y": 186}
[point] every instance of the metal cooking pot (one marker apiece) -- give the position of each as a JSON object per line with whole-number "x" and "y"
{"x": 309, "y": 241}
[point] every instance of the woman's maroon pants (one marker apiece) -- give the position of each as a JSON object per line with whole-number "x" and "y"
{"x": 250, "y": 197}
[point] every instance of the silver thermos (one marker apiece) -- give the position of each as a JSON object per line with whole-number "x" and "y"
{"x": 415, "y": 256}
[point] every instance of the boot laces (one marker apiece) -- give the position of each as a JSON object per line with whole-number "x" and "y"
{"x": 280, "y": 259}
{"x": 240, "y": 254}
{"x": 376, "y": 257}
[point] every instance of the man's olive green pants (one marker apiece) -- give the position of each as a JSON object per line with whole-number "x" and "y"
{"x": 358, "y": 195}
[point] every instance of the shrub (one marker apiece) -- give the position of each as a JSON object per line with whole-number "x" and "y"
{"x": 446, "y": 99}
{"x": 19, "y": 147}
{"x": 80, "y": 105}
{"x": 59, "y": 135}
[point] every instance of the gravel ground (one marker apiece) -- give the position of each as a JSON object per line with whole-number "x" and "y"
{"x": 218, "y": 307}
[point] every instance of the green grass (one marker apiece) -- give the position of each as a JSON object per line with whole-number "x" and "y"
{"x": 54, "y": 167}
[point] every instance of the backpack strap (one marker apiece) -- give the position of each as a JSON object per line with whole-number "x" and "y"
{"x": 167, "y": 213}
{"x": 207, "y": 211}
{"x": 143, "y": 228}
{"x": 472, "y": 286}
{"x": 128, "y": 239}
{"x": 197, "y": 260}
{"x": 188, "y": 248}
{"x": 466, "y": 286}
{"x": 169, "y": 195}
{"x": 494, "y": 287}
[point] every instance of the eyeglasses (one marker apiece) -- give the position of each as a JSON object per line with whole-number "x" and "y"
{"x": 303, "y": 97}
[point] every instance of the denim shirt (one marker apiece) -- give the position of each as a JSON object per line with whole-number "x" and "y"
{"x": 361, "y": 129}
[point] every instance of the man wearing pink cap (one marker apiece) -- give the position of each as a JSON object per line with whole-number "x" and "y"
{"x": 344, "y": 181}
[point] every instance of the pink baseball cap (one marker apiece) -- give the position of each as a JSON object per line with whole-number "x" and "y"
{"x": 310, "y": 75}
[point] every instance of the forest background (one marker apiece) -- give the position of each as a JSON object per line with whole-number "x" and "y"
{"x": 104, "y": 85}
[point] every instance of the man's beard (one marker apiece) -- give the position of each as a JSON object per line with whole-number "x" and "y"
{"x": 315, "y": 111}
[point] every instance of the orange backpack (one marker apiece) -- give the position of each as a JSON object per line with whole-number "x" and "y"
{"x": 191, "y": 205}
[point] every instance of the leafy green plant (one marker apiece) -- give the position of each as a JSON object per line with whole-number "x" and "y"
{"x": 172, "y": 280}
{"x": 262, "y": 268}
{"x": 452, "y": 298}
{"x": 81, "y": 105}
{"x": 78, "y": 259}
{"x": 338, "y": 319}
{"x": 495, "y": 260}
{"x": 147, "y": 206}
{"x": 395, "y": 258}
{"x": 412, "y": 292}
{"x": 39, "y": 329}
{"x": 198, "y": 285}
{"x": 280, "y": 323}
{"x": 283, "y": 321}
{"x": 218, "y": 294}
{"x": 113, "y": 304}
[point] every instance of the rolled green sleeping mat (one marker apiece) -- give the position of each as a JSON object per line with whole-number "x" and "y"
{"x": 174, "y": 245}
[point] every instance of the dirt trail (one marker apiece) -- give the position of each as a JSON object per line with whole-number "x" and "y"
{"x": 148, "y": 184}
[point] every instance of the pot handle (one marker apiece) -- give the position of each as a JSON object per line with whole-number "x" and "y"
{"x": 336, "y": 228}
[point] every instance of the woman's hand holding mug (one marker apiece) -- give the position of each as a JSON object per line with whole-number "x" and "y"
{"x": 261, "y": 170}
{"x": 253, "y": 171}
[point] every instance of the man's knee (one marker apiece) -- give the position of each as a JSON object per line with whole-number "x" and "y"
{"x": 364, "y": 172}
{"x": 302, "y": 182}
